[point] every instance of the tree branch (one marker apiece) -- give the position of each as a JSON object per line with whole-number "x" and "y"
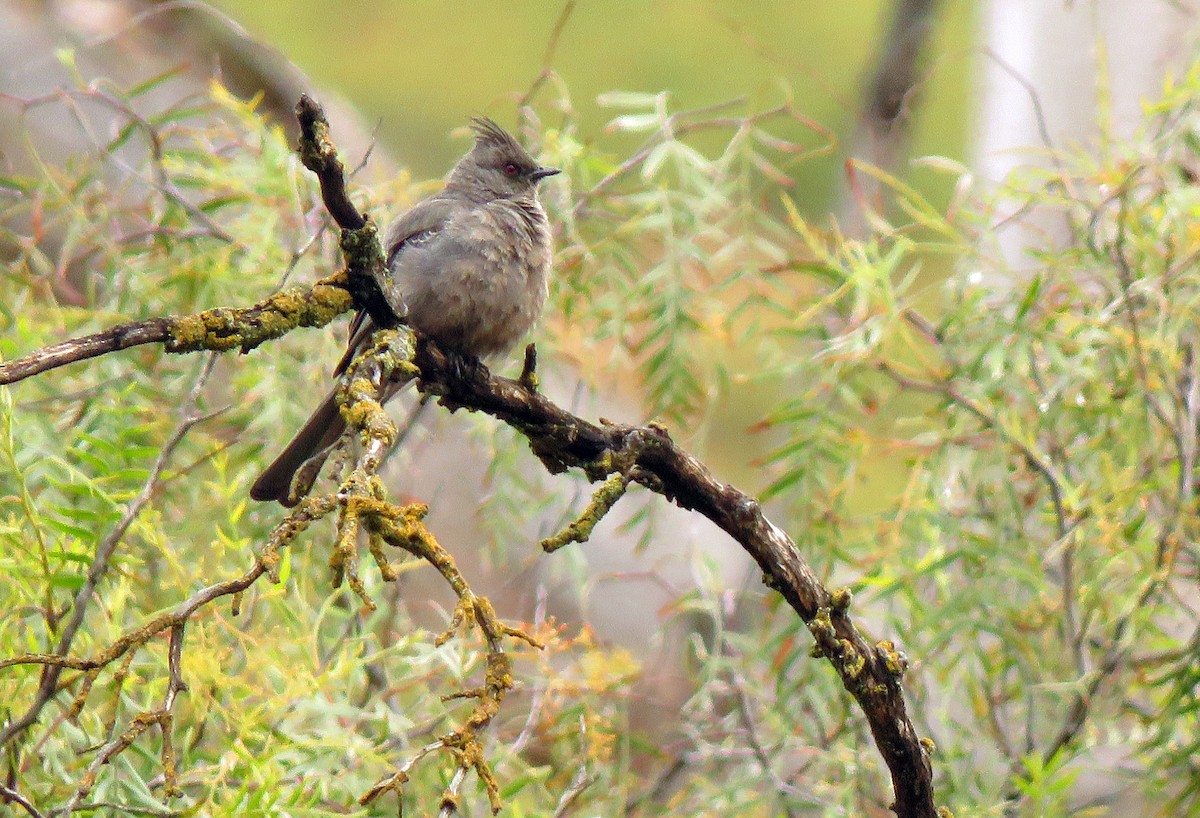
{"x": 871, "y": 673}
{"x": 217, "y": 329}
{"x": 122, "y": 336}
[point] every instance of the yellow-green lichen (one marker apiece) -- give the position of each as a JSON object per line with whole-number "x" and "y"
{"x": 581, "y": 529}
{"x": 841, "y": 600}
{"x": 853, "y": 662}
{"x": 221, "y": 329}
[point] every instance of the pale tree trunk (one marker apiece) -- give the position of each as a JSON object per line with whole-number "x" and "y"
{"x": 881, "y": 135}
{"x": 1057, "y": 74}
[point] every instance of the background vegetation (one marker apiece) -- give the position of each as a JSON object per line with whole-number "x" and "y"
{"x": 420, "y": 68}
{"x": 1037, "y": 565}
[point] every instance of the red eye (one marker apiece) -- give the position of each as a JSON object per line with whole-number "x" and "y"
{"x": 511, "y": 169}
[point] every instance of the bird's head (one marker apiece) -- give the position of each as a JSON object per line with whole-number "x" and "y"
{"x": 497, "y": 167}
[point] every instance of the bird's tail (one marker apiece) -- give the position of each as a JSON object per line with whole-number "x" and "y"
{"x": 306, "y": 453}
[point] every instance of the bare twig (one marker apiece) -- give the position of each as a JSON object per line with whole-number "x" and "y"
{"x": 1125, "y": 277}
{"x": 580, "y": 530}
{"x": 161, "y": 182}
{"x": 9, "y": 794}
{"x": 1035, "y": 459}
{"x": 1039, "y": 113}
{"x": 547, "y": 68}
{"x": 782, "y": 788}
{"x": 450, "y": 796}
{"x": 128, "y": 809}
{"x": 123, "y": 336}
{"x": 539, "y": 692}
{"x": 366, "y": 267}
{"x": 583, "y": 777}
{"x": 319, "y": 155}
{"x": 660, "y": 788}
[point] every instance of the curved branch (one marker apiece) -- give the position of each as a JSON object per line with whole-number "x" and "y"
{"x": 870, "y": 672}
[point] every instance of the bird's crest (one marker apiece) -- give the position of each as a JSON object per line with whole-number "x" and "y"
{"x": 487, "y": 132}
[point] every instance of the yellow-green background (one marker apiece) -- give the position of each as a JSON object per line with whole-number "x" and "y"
{"x": 421, "y": 68}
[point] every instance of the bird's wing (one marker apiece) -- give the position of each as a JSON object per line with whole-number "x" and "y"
{"x": 423, "y": 221}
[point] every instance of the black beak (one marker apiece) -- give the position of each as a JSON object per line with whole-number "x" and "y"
{"x": 541, "y": 173}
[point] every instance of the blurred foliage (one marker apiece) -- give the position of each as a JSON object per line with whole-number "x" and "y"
{"x": 1039, "y": 568}
{"x": 422, "y": 68}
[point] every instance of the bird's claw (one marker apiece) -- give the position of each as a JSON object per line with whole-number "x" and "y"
{"x": 467, "y": 369}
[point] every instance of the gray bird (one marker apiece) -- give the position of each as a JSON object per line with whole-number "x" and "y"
{"x": 469, "y": 267}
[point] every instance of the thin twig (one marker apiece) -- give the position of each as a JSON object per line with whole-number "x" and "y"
{"x": 1039, "y": 113}
{"x": 539, "y": 691}
{"x": 162, "y": 180}
{"x": 1125, "y": 277}
{"x": 123, "y": 336}
{"x": 583, "y": 777}
{"x": 782, "y": 788}
{"x": 9, "y": 794}
{"x": 1035, "y": 459}
{"x": 450, "y": 797}
{"x": 547, "y": 68}
{"x": 660, "y": 788}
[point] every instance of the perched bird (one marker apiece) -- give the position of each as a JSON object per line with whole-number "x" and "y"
{"x": 470, "y": 267}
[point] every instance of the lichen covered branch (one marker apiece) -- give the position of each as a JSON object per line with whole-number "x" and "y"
{"x": 871, "y": 673}
{"x": 219, "y": 330}
{"x": 363, "y": 507}
{"x": 611, "y": 490}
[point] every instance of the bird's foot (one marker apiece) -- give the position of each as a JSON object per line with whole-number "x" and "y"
{"x": 467, "y": 369}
